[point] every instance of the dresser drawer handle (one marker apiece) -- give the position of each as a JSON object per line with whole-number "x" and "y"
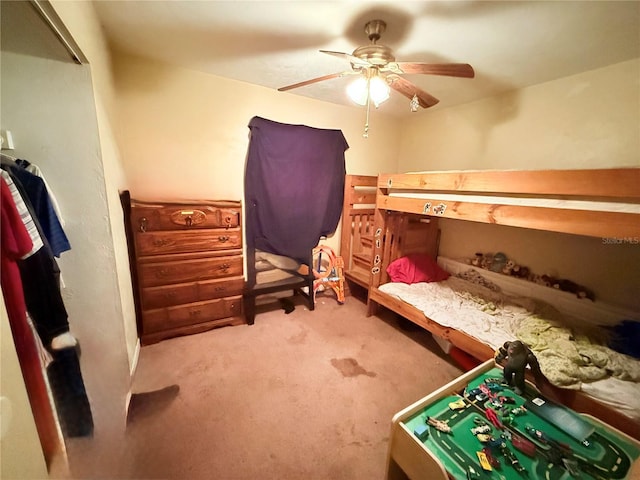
{"x": 225, "y": 266}
{"x": 223, "y": 238}
{"x": 169, "y": 295}
{"x": 143, "y": 224}
{"x": 161, "y": 242}
{"x": 220, "y": 289}
{"x": 194, "y": 313}
{"x": 188, "y": 221}
{"x": 163, "y": 272}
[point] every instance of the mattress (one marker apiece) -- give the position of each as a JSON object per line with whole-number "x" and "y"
{"x": 565, "y": 334}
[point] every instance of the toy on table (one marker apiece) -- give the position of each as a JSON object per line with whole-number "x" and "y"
{"x": 493, "y": 418}
{"x": 421, "y": 431}
{"x": 439, "y": 425}
{"x": 514, "y": 357}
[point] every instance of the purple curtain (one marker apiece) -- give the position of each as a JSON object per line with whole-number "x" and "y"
{"x": 294, "y": 186}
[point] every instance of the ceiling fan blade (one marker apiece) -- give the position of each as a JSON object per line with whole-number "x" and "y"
{"x": 408, "y": 89}
{"x": 352, "y": 58}
{"x": 448, "y": 69}
{"x": 315, "y": 80}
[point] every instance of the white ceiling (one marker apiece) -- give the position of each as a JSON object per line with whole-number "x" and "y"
{"x": 510, "y": 44}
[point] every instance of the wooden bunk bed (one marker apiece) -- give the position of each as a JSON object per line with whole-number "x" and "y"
{"x": 602, "y": 203}
{"x": 356, "y": 237}
{"x": 357, "y": 234}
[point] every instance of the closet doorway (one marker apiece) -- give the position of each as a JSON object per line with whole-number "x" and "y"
{"x": 47, "y": 105}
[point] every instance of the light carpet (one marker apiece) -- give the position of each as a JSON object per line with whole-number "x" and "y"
{"x": 305, "y": 395}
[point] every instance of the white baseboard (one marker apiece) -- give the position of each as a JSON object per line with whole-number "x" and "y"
{"x": 132, "y": 371}
{"x": 134, "y": 362}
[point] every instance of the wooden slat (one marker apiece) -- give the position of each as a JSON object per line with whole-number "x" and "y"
{"x": 614, "y": 183}
{"x": 623, "y": 226}
{"x": 363, "y": 198}
{"x": 350, "y": 212}
{"x": 359, "y": 276}
{"x": 362, "y": 180}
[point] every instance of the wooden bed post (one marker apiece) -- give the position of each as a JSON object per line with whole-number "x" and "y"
{"x": 380, "y": 233}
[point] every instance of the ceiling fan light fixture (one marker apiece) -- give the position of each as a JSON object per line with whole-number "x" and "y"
{"x": 374, "y": 88}
{"x": 378, "y": 72}
{"x": 378, "y": 90}
{"x": 358, "y": 90}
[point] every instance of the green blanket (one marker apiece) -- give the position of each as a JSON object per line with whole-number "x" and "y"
{"x": 569, "y": 357}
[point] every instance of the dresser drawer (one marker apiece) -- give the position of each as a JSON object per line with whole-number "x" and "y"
{"x": 184, "y": 315}
{"x": 183, "y": 271}
{"x": 147, "y": 217}
{"x": 159, "y": 243}
{"x": 181, "y": 293}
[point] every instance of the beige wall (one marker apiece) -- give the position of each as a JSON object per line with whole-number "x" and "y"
{"x": 185, "y": 133}
{"x": 20, "y": 451}
{"x": 81, "y": 20}
{"x": 591, "y": 120}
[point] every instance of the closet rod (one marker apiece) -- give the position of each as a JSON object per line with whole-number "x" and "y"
{"x": 51, "y": 18}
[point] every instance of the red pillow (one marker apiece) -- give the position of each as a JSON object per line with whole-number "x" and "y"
{"x": 416, "y": 267}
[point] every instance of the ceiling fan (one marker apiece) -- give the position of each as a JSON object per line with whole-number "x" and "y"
{"x": 375, "y": 63}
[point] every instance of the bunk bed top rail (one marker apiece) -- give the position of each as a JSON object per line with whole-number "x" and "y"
{"x": 599, "y": 203}
{"x": 620, "y": 183}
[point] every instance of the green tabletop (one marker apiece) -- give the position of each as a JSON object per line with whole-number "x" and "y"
{"x": 558, "y": 453}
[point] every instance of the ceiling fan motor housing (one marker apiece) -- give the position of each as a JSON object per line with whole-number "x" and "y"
{"x": 374, "y": 53}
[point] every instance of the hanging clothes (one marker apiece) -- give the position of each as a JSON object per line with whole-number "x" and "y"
{"x": 294, "y": 186}
{"x": 25, "y": 215}
{"x": 31, "y": 168}
{"x": 36, "y": 191}
{"x": 32, "y": 280}
{"x": 39, "y": 273}
{"x": 15, "y": 243}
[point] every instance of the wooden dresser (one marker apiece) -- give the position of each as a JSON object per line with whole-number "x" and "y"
{"x": 188, "y": 266}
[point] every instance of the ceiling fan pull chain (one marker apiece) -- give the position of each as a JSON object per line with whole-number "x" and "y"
{"x": 366, "y": 124}
{"x": 414, "y": 104}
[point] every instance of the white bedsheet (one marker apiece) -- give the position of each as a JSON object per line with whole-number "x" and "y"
{"x": 493, "y": 318}
{"x": 453, "y": 303}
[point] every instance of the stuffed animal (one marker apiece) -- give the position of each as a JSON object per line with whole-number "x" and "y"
{"x": 514, "y": 357}
{"x": 499, "y": 262}
{"x": 508, "y": 267}
{"x": 477, "y": 260}
{"x": 520, "y": 271}
{"x": 578, "y": 290}
{"x": 487, "y": 261}
{"x": 546, "y": 280}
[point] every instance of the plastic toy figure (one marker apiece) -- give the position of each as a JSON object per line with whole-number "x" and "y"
{"x": 439, "y": 425}
{"x": 515, "y": 356}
